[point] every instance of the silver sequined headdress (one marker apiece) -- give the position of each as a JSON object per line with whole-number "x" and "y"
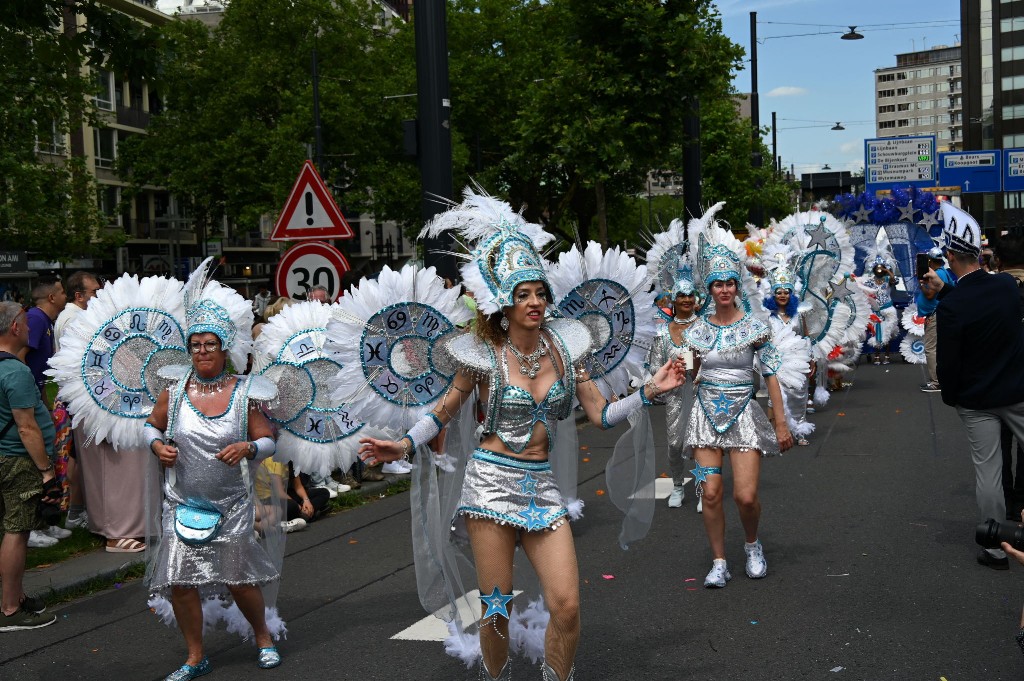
{"x": 503, "y": 248}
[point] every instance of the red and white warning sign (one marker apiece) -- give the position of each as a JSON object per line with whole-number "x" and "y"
{"x": 310, "y": 264}
{"x": 310, "y": 211}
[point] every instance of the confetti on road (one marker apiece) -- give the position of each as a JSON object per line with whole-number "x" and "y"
{"x": 353, "y": 541}
{"x": 836, "y": 669}
{"x": 842, "y": 413}
{"x": 584, "y": 448}
{"x": 663, "y": 475}
{"x": 600, "y": 492}
{"x": 690, "y": 579}
{"x": 691, "y": 588}
{"x": 845, "y": 574}
{"x": 608, "y": 576}
{"x": 753, "y": 621}
{"x": 586, "y": 459}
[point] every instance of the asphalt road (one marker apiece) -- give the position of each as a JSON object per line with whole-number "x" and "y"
{"x": 872, "y": 575}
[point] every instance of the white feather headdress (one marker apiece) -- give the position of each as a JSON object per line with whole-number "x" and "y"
{"x": 503, "y": 247}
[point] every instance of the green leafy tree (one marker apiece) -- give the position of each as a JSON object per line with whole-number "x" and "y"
{"x": 48, "y": 203}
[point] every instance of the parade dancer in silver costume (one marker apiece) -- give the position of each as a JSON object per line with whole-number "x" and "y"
{"x": 725, "y": 416}
{"x": 525, "y": 370}
{"x": 208, "y": 433}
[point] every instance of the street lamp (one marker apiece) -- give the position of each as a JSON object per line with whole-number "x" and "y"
{"x": 373, "y": 246}
{"x": 852, "y": 35}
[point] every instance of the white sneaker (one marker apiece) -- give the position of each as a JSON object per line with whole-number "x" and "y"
{"x": 293, "y": 525}
{"x": 718, "y": 576}
{"x": 57, "y": 532}
{"x": 79, "y": 520}
{"x": 675, "y": 500}
{"x": 700, "y": 505}
{"x": 40, "y": 540}
{"x": 757, "y": 566}
{"x": 394, "y": 468}
{"x": 331, "y": 493}
{"x": 338, "y": 487}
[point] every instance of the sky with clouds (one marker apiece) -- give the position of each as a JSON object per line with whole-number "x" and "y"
{"x": 812, "y": 79}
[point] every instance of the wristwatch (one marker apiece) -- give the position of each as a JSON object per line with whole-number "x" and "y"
{"x": 252, "y": 449}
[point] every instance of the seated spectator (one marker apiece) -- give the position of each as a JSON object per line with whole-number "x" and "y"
{"x": 305, "y": 502}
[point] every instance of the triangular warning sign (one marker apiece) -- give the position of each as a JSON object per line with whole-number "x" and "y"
{"x": 310, "y": 211}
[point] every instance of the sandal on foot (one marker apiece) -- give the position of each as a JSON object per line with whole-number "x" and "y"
{"x": 190, "y": 671}
{"x": 268, "y": 658}
{"x": 126, "y": 545}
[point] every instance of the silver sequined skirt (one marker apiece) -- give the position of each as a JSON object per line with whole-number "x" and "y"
{"x": 509, "y": 491}
{"x": 748, "y": 427}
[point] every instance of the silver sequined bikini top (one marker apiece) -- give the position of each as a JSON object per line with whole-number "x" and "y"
{"x": 512, "y": 412}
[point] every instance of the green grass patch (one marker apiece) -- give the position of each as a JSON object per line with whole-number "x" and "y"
{"x": 355, "y": 499}
{"x": 126, "y": 574}
{"x": 81, "y": 541}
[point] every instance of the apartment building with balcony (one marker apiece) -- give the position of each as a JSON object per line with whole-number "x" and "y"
{"x": 922, "y": 95}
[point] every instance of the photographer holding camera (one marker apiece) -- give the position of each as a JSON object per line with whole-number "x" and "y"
{"x": 29, "y": 492}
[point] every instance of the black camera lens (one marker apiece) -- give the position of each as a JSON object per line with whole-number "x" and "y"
{"x": 991, "y": 533}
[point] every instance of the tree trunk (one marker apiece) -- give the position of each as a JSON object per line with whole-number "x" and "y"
{"x": 602, "y": 214}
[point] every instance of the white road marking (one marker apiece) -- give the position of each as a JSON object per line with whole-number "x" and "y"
{"x": 433, "y": 628}
{"x": 663, "y": 487}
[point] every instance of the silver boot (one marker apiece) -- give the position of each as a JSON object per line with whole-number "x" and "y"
{"x": 504, "y": 675}
{"x": 549, "y": 674}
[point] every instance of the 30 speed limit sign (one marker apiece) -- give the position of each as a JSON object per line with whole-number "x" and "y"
{"x": 309, "y": 264}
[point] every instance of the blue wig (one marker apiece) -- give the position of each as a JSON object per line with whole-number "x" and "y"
{"x": 791, "y": 306}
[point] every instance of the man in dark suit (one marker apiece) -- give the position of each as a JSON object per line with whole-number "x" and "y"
{"x": 980, "y": 361}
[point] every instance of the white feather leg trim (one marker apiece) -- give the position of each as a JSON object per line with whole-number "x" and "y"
{"x": 821, "y": 396}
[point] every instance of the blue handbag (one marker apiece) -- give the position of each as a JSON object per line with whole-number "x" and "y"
{"x": 196, "y": 525}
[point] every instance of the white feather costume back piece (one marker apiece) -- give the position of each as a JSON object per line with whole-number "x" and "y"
{"x": 911, "y": 322}
{"x": 477, "y": 220}
{"x": 822, "y": 259}
{"x": 111, "y": 354}
{"x": 912, "y": 349}
{"x": 384, "y": 324}
{"x": 610, "y": 294}
{"x": 201, "y": 287}
{"x": 666, "y": 255}
{"x": 315, "y": 431}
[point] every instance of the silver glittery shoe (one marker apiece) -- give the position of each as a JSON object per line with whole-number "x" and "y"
{"x": 548, "y": 674}
{"x": 718, "y": 576}
{"x": 504, "y": 675}
{"x": 268, "y": 658}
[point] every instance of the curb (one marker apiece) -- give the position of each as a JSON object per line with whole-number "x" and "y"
{"x": 53, "y": 581}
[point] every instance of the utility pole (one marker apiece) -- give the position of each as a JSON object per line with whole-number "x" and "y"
{"x": 756, "y": 209}
{"x": 434, "y": 128}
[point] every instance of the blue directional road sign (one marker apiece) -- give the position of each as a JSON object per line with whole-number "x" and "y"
{"x": 973, "y": 171}
{"x": 1013, "y": 170}
{"x": 902, "y": 161}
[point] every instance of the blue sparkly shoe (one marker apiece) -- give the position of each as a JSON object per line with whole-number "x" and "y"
{"x": 191, "y": 671}
{"x": 268, "y": 658}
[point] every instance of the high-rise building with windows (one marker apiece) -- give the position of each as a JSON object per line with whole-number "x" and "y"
{"x": 921, "y": 95}
{"x": 993, "y": 105}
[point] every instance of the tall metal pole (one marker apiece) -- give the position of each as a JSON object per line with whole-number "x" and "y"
{"x": 756, "y": 209}
{"x": 435, "y": 139}
{"x": 691, "y": 158}
{"x": 775, "y": 147}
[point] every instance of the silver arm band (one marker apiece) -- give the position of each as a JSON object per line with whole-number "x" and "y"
{"x": 153, "y": 434}
{"x": 425, "y": 430}
{"x": 615, "y": 413}
{"x": 265, "y": 446}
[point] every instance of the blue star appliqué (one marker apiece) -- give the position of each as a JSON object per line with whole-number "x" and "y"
{"x": 540, "y": 412}
{"x": 701, "y": 473}
{"x": 534, "y": 516}
{"x": 722, "y": 403}
{"x": 528, "y": 485}
{"x": 497, "y": 603}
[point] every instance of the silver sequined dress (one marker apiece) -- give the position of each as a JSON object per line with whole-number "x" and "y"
{"x": 233, "y": 557}
{"x": 725, "y": 414}
{"x": 678, "y": 402}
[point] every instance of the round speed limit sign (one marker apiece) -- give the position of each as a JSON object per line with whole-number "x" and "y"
{"x": 309, "y": 264}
